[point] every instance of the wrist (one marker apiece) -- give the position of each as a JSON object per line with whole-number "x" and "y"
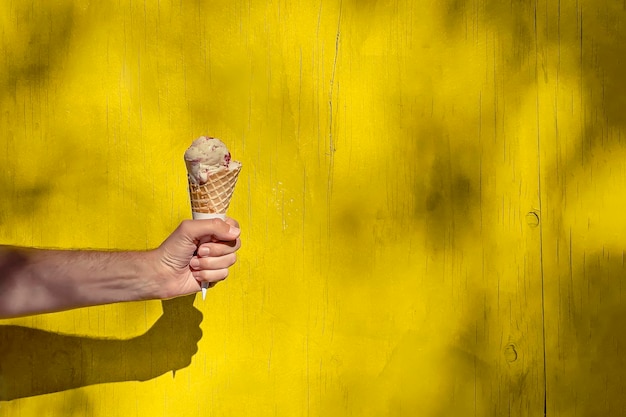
{"x": 156, "y": 285}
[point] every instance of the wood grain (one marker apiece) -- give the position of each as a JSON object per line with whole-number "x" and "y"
{"x": 430, "y": 202}
{"x": 582, "y": 198}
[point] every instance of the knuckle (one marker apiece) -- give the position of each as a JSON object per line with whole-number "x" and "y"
{"x": 184, "y": 226}
{"x": 215, "y": 275}
{"x": 215, "y": 223}
{"x": 208, "y": 263}
{"x": 215, "y": 249}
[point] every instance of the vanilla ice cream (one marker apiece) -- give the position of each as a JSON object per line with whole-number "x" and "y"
{"x": 207, "y": 156}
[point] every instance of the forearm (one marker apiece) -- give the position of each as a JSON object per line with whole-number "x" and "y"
{"x": 37, "y": 281}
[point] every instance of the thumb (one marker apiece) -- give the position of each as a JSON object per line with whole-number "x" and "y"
{"x": 208, "y": 230}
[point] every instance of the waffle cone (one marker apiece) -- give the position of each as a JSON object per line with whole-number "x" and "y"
{"x": 214, "y": 196}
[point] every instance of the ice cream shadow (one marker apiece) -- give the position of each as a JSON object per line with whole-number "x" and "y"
{"x": 35, "y": 362}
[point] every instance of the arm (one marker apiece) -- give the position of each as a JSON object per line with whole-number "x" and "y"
{"x": 36, "y": 281}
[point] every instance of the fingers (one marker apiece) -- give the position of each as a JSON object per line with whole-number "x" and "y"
{"x": 211, "y": 262}
{"x": 219, "y": 248}
{"x": 217, "y": 241}
{"x": 210, "y": 275}
{"x": 212, "y": 269}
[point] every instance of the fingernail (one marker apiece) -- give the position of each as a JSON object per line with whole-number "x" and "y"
{"x": 203, "y": 251}
{"x": 194, "y": 263}
{"x": 234, "y": 230}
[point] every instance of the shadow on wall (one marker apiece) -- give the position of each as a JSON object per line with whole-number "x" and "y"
{"x": 603, "y": 56}
{"x": 35, "y": 362}
{"x": 591, "y": 42}
{"x": 25, "y": 206}
{"x": 447, "y": 192}
{"x": 38, "y": 43}
{"x": 592, "y": 338}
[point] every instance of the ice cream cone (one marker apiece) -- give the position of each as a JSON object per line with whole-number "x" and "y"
{"x": 212, "y": 176}
{"x": 213, "y": 197}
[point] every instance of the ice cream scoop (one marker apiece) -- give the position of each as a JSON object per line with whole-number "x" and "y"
{"x": 205, "y": 156}
{"x": 212, "y": 177}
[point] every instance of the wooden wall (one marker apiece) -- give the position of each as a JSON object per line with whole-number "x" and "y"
{"x": 432, "y": 204}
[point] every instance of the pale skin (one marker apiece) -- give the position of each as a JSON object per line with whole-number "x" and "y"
{"x": 34, "y": 281}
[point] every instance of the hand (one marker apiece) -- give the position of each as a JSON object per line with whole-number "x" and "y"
{"x": 197, "y": 251}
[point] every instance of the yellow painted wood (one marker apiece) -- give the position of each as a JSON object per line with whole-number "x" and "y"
{"x": 419, "y": 177}
{"x": 582, "y": 100}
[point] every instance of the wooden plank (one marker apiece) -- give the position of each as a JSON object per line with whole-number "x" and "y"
{"x": 583, "y": 178}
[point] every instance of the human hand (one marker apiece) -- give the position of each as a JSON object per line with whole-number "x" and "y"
{"x": 197, "y": 251}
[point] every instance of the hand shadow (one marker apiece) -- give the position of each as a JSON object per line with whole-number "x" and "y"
{"x": 35, "y": 362}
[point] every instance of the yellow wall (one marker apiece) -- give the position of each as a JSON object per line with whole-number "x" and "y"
{"x": 432, "y": 204}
